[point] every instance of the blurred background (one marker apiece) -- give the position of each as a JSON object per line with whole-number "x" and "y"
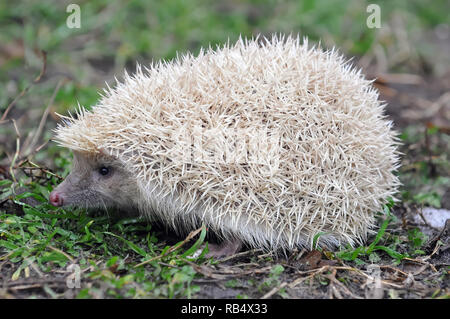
{"x": 46, "y": 68}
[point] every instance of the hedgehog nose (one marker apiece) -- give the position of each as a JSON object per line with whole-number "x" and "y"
{"x": 56, "y": 199}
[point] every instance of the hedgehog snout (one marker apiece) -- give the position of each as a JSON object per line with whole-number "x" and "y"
{"x": 56, "y": 199}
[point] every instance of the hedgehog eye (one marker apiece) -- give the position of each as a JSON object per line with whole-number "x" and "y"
{"x": 104, "y": 170}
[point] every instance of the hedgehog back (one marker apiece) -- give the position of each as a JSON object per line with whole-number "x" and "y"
{"x": 322, "y": 162}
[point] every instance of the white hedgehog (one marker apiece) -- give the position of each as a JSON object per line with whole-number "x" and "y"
{"x": 266, "y": 142}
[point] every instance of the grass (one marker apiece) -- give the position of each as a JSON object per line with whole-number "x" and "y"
{"x": 426, "y": 170}
{"x": 391, "y": 243}
{"x": 49, "y": 240}
{"x": 42, "y": 239}
{"x": 125, "y": 258}
{"x": 130, "y": 258}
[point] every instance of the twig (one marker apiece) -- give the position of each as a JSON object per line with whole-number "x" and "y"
{"x": 274, "y": 291}
{"x": 6, "y": 255}
{"x": 400, "y": 78}
{"x": 16, "y": 154}
{"x": 237, "y": 255}
{"x": 38, "y": 133}
{"x": 172, "y": 249}
{"x": 36, "y": 269}
{"x": 314, "y": 273}
{"x": 36, "y": 167}
{"x": 62, "y": 253}
{"x": 37, "y": 149}
{"x": 421, "y": 262}
{"x": 25, "y": 90}
{"x": 393, "y": 268}
{"x": 208, "y": 272}
{"x": 334, "y": 281}
{"x": 327, "y": 267}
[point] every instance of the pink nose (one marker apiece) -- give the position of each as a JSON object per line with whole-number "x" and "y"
{"x": 56, "y": 199}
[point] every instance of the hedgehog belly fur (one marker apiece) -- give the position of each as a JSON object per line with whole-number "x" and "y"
{"x": 267, "y": 141}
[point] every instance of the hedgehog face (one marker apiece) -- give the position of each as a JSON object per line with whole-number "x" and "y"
{"x": 96, "y": 181}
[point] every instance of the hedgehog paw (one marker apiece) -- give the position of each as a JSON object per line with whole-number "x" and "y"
{"x": 227, "y": 248}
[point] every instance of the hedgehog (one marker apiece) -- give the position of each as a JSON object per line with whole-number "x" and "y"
{"x": 268, "y": 142}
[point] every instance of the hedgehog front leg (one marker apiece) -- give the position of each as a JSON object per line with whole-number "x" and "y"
{"x": 227, "y": 248}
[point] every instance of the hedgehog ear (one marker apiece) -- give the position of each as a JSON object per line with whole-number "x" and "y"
{"x": 105, "y": 153}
